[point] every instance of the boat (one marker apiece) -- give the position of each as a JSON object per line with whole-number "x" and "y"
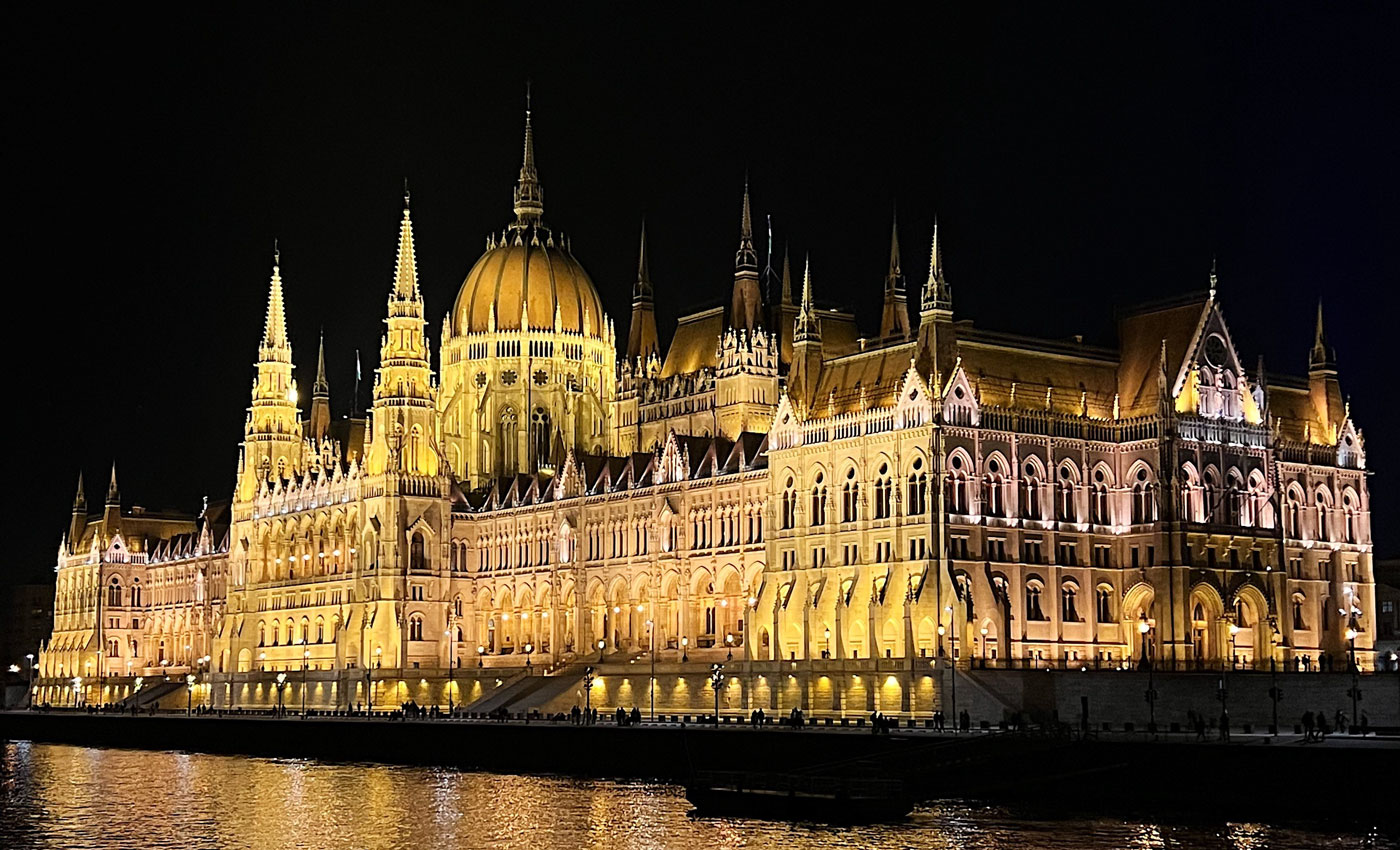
{"x": 791, "y": 796}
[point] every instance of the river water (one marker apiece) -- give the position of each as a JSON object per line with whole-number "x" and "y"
{"x": 54, "y": 796}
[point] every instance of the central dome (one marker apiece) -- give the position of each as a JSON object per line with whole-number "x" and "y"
{"x": 527, "y": 265}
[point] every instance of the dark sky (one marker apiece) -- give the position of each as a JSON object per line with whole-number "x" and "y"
{"x": 1079, "y": 158}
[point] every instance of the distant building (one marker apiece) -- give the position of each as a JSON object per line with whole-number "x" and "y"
{"x": 775, "y": 490}
{"x": 26, "y": 619}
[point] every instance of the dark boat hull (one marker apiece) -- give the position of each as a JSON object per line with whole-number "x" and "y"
{"x": 776, "y": 801}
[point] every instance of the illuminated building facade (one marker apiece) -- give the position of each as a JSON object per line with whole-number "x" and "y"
{"x": 773, "y": 491}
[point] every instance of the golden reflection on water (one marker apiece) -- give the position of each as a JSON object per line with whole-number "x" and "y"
{"x": 54, "y": 796}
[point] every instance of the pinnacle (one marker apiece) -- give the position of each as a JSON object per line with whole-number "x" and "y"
{"x": 406, "y": 264}
{"x": 275, "y": 324}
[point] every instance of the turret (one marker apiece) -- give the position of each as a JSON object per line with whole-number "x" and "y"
{"x": 936, "y": 343}
{"x": 272, "y": 433}
{"x": 78, "y": 521}
{"x": 1323, "y": 386}
{"x": 806, "y": 346}
{"x": 112, "y": 505}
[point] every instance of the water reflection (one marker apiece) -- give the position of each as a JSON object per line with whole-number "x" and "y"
{"x": 55, "y": 796}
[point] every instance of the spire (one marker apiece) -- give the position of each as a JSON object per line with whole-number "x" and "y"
{"x": 787, "y": 277}
{"x": 275, "y": 325}
{"x": 937, "y": 294}
{"x": 746, "y": 258}
{"x": 808, "y": 326}
{"x": 1214, "y": 279}
{"x": 114, "y": 496}
{"x": 406, "y": 265}
{"x": 643, "y": 287}
{"x": 1323, "y": 357}
{"x": 80, "y": 499}
{"x": 321, "y": 389}
{"x": 894, "y": 318}
{"x": 529, "y": 194}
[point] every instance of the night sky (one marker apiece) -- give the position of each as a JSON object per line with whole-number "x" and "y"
{"x": 1080, "y": 159}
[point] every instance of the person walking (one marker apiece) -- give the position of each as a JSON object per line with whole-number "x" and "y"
{"x": 1308, "y": 726}
{"x": 1224, "y": 725}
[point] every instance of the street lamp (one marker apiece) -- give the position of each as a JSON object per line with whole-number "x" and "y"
{"x": 480, "y": 655}
{"x": 262, "y": 661}
{"x": 1274, "y": 693}
{"x": 588, "y": 692}
{"x": 1355, "y": 690}
{"x": 30, "y": 659}
{"x": 685, "y": 647}
{"x": 305, "y": 661}
{"x": 601, "y": 644}
{"x": 77, "y": 689}
{"x": 1234, "y": 655}
{"x": 984, "y": 646}
{"x": 189, "y": 694}
{"x": 281, "y": 683}
{"x": 716, "y": 682}
{"x": 729, "y": 641}
{"x": 1145, "y": 631}
{"x": 529, "y": 648}
{"x": 651, "y": 686}
{"x": 827, "y": 633}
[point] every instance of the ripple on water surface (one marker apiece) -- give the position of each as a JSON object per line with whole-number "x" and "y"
{"x": 54, "y": 796}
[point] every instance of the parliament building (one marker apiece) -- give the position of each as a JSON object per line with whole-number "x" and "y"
{"x": 835, "y": 515}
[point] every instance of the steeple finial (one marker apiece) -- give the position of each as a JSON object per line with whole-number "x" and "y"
{"x": 643, "y": 286}
{"x": 1214, "y": 278}
{"x": 529, "y": 194}
{"x": 937, "y": 295}
{"x": 406, "y": 264}
{"x": 895, "y": 271}
{"x": 114, "y": 496}
{"x": 321, "y": 388}
{"x": 80, "y": 499}
{"x": 746, "y": 257}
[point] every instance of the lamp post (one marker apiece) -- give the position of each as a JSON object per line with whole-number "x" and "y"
{"x": 378, "y": 663}
{"x": 1145, "y": 631}
{"x": 984, "y": 647}
{"x": 827, "y": 634}
{"x": 30, "y": 699}
{"x": 588, "y": 692}
{"x": 529, "y": 648}
{"x": 1234, "y": 632}
{"x": 189, "y": 694}
{"x": 305, "y": 662}
{"x": 651, "y": 686}
{"x": 1274, "y": 693}
{"x": 685, "y": 649}
{"x": 716, "y": 682}
{"x": 953, "y": 673}
{"x": 281, "y": 683}
{"x": 480, "y": 655}
{"x": 77, "y": 689}
{"x": 729, "y": 642}
{"x": 1355, "y": 691}
{"x": 601, "y": 644}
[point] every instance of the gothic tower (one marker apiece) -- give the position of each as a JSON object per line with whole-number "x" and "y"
{"x": 272, "y": 432}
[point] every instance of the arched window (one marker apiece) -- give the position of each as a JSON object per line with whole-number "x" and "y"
{"x": 1064, "y": 502}
{"x": 1030, "y": 497}
{"x": 114, "y": 593}
{"x": 850, "y": 496}
{"x": 1069, "y": 593}
{"x": 1324, "y": 507}
{"x": 507, "y": 453}
{"x": 415, "y": 552}
{"x": 884, "y": 507}
{"x": 262, "y": 635}
{"x": 1098, "y": 504}
{"x": 136, "y": 593}
{"x": 1034, "y": 611}
{"x": 1103, "y": 603}
{"x": 918, "y": 488}
{"x": 1299, "y": 624}
{"x": 305, "y": 630}
{"x": 539, "y": 437}
{"x": 993, "y": 494}
{"x": 1144, "y": 505}
{"x": 1210, "y": 496}
{"x": 819, "y": 500}
{"x": 1349, "y": 517}
{"x": 957, "y": 489}
{"x": 320, "y": 630}
{"x": 415, "y": 438}
{"x": 415, "y": 627}
{"x": 789, "y": 504}
{"x": 1292, "y": 514}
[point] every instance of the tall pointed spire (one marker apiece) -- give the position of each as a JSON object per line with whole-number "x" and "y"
{"x": 642, "y": 340}
{"x": 894, "y": 318}
{"x": 643, "y": 285}
{"x": 321, "y": 388}
{"x": 1323, "y": 357}
{"x": 274, "y": 342}
{"x": 114, "y": 495}
{"x": 787, "y": 278}
{"x": 1214, "y": 278}
{"x": 80, "y": 499}
{"x": 319, "y": 425}
{"x": 406, "y": 264}
{"x": 937, "y": 295}
{"x": 529, "y": 194}
{"x": 746, "y": 257}
{"x": 808, "y": 326}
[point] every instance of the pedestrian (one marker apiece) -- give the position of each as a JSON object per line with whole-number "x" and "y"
{"x": 966, "y": 721}
{"x": 1307, "y": 726}
{"x": 1341, "y": 722}
{"x": 1365, "y": 724}
{"x": 636, "y": 715}
{"x": 574, "y": 714}
{"x": 1225, "y": 725}
{"x": 1321, "y": 726}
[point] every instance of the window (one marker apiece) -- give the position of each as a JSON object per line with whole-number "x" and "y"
{"x": 1103, "y": 604}
{"x": 957, "y": 501}
{"x": 957, "y": 547}
{"x": 996, "y": 549}
{"x": 1299, "y": 625}
{"x": 1033, "y": 609}
{"x": 114, "y": 593}
{"x": 918, "y": 548}
{"x": 1064, "y": 504}
{"x": 416, "y": 592}
{"x": 1144, "y": 505}
{"x": 1066, "y": 554}
{"x": 415, "y": 627}
{"x": 850, "y": 497}
{"x": 1068, "y": 594}
{"x": 415, "y": 553}
{"x": 1030, "y": 552}
{"x": 1098, "y": 505}
{"x": 136, "y": 593}
{"x": 918, "y": 488}
{"x": 883, "y": 500}
{"x": 819, "y": 500}
{"x": 1102, "y": 555}
{"x": 789, "y": 505}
